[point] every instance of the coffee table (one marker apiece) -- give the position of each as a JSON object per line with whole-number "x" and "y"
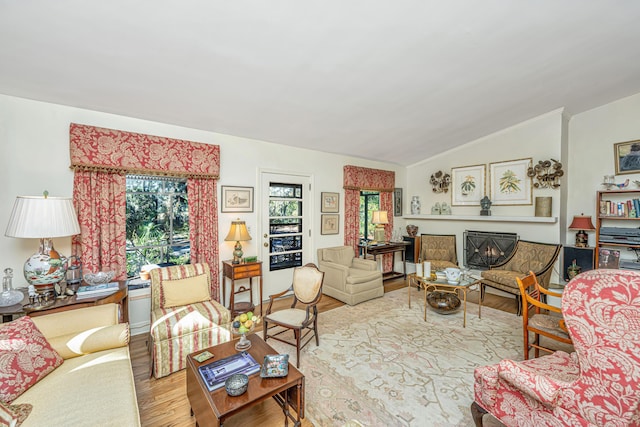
{"x": 213, "y": 408}
{"x": 428, "y": 285}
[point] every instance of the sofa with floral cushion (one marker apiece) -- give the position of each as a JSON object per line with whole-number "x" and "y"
{"x": 596, "y": 385}
{"x": 67, "y": 369}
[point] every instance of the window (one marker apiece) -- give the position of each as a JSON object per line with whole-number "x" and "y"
{"x": 285, "y": 226}
{"x": 369, "y": 202}
{"x": 157, "y": 222}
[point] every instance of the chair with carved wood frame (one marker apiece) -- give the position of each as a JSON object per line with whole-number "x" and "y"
{"x": 540, "y": 324}
{"x": 439, "y": 250}
{"x": 307, "y": 290}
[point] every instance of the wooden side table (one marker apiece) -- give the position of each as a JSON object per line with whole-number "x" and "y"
{"x": 244, "y": 270}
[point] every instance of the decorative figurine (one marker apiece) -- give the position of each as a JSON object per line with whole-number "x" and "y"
{"x": 485, "y": 204}
{"x": 573, "y": 270}
{"x": 445, "y": 209}
{"x": 415, "y": 205}
{"x": 435, "y": 209}
{"x": 412, "y": 230}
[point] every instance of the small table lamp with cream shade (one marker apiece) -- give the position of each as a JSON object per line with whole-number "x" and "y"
{"x": 582, "y": 223}
{"x": 379, "y": 218}
{"x": 43, "y": 217}
{"x": 238, "y": 233}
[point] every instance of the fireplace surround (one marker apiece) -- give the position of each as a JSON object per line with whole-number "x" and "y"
{"x": 484, "y": 248}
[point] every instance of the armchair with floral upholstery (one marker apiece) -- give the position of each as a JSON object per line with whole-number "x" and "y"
{"x": 596, "y": 385}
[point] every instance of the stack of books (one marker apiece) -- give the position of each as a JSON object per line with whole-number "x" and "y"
{"x": 96, "y": 291}
{"x": 214, "y": 374}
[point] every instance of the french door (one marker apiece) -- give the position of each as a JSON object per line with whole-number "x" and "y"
{"x": 286, "y": 218}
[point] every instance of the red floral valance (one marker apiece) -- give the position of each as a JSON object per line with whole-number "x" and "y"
{"x": 359, "y": 178}
{"x": 116, "y": 151}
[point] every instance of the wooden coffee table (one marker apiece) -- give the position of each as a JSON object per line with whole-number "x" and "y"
{"x": 213, "y": 408}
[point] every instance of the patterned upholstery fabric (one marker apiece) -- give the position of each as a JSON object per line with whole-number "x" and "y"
{"x": 526, "y": 257}
{"x": 598, "y": 384}
{"x": 439, "y": 250}
{"x": 178, "y": 331}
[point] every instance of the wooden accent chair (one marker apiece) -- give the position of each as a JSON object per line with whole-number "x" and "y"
{"x": 596, "y": 385}
{"x": 526, "y": 257}
{"x": 439, "y": 250}
{"x": 307, "y": 290}
{"x": 184, "y": 317}
{"x": 348, "y": 278}
{"x": 541, "y": 323}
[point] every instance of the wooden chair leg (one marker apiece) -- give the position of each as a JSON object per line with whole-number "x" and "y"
{"x": 477, "y": 412}
{"x": 297, "y": 334}
{"x": 315, "y": 331}
{"x": 526, "y": 344}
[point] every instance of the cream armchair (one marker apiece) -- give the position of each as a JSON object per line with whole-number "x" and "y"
{"x": 347, "y": 278}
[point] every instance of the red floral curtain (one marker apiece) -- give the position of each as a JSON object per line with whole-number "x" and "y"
{"x": 356, "y": 179}
{"x": 98, "y": 152}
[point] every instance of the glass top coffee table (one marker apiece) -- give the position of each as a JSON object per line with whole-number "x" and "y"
{"x": 448, "y": 291}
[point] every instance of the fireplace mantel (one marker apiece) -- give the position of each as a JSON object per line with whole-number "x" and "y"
{"x": 539, "y": 219}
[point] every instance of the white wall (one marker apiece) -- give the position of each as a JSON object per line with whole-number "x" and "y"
{"x": 539, "y": 138}
{"x": 35, "y": 156}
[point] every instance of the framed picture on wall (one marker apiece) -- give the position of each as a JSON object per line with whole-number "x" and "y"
{"x": 330, "y": 224}
{"x": 397, "y": 202}
{"x": 330, "y": 202}
{"x": 510, "y": 183}
{"x": 627, "y": 157}
{"x": 468, "y": 184}
{"x": 237, "y": 199}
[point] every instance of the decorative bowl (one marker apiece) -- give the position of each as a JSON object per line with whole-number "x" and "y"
{"x": 236, "y": 384}
{"x": 99, "y": 278}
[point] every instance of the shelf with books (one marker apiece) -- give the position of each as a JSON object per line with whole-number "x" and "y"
{"x": 613, "y": 230}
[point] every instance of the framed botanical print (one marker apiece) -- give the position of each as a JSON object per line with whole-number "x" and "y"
{"x": 510, "y": 184}
{"x": 237, "y": 199}
{"x": 330, "y": 224}
{"x": 468, "y": 184}
{"x": 330, "y": 202}
{"x": 397, "y": 202}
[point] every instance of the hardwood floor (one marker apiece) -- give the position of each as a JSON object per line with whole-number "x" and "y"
{"x": 164, "y": 402}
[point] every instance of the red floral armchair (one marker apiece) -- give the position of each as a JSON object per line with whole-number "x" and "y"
{"x": 597, "y": 385}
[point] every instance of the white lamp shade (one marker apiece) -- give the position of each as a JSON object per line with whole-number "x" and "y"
{"x": 42, "y": 217}
{"x": 238, "y": 232}
{"x": 380, "y": 217}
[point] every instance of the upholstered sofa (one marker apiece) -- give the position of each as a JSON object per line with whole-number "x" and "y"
{"x": 93, "y": 384}
{"x": 347, "y": 278}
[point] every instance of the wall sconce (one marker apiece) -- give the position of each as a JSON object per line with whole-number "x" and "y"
{"x": 237, "y": 233}
{"x": 582, "y": 223}
{"x": 380, "y": 218}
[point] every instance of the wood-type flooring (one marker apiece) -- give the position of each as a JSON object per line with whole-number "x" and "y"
{"x": 164, "y": 402}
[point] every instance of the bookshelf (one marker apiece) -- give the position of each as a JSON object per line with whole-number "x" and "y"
{"x": 616, "y": 208}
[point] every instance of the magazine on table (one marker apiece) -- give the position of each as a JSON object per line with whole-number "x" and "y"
{"x": 92, "y": 291}
{"x": 214, "y": 374}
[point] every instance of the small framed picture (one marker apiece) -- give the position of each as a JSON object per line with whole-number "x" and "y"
{"x": 468, "y": 184}
{"x": 627, "y": 157}
{"x": 330, "y": 202}
{"x": 397, "y": 202}
{"x": 510, "y": 183}
{"x": 608, "y": 258}
{"x": 330, "y": 224}
{"x": 237, "y": 199}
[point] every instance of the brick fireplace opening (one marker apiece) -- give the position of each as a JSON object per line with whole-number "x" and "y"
{"x": 484, "y": 248}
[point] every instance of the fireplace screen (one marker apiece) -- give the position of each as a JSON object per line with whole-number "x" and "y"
{"x": 483, "y": 249}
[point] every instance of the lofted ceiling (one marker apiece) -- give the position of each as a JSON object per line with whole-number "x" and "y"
{"x": 398, "y": 81}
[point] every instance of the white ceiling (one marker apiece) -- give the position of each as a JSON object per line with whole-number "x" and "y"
{"x": 397, "y": 80}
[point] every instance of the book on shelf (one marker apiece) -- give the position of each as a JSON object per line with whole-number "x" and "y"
{"x": 214, "y": 374}
{"x": 103, "y": 288}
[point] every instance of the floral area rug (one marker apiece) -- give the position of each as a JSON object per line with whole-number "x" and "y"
{"x": 380, "y": 364}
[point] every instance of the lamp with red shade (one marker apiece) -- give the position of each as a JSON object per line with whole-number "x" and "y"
{"x": 582, "y": 223}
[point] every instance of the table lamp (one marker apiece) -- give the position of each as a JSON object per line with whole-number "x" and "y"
{"x": 380, "y": 218}
{"x": 237, "y": 233}
{"x": 582, "y": 223}
{"x": 43, "y": 218}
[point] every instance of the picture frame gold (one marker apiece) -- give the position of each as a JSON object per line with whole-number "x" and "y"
{"x": 510, "y": 183}
{"x": 468, "y": 184}
{"x": 330, "y": 224}
{"x": 329, "y": 202}
{"x": 236, "y": 199}
{"x": 626, "y": 156}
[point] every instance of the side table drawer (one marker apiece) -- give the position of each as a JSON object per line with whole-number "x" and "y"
{"x": 244, "y": 271}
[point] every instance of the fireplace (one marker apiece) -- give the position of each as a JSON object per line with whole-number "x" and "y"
{"x": 483, "y": 248}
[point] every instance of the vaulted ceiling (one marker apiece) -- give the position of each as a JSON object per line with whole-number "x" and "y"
{"x": 398, "y": 81}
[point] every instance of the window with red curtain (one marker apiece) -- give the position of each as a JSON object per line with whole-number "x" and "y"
{"x": 101, "y": 158}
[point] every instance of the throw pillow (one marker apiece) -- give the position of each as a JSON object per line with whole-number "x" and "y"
{"x": 14, "y": 415}
{"x": 185, "y": 291}
{"x": 91, "y": 341}
{"x": 25, "y": 357}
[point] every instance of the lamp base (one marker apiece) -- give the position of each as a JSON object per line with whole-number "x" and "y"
{"x": 378, "y": 235}
{"x": 582, "y": 239}
{"x": 237, "y": 253}
{"x": 45, "y": 268}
